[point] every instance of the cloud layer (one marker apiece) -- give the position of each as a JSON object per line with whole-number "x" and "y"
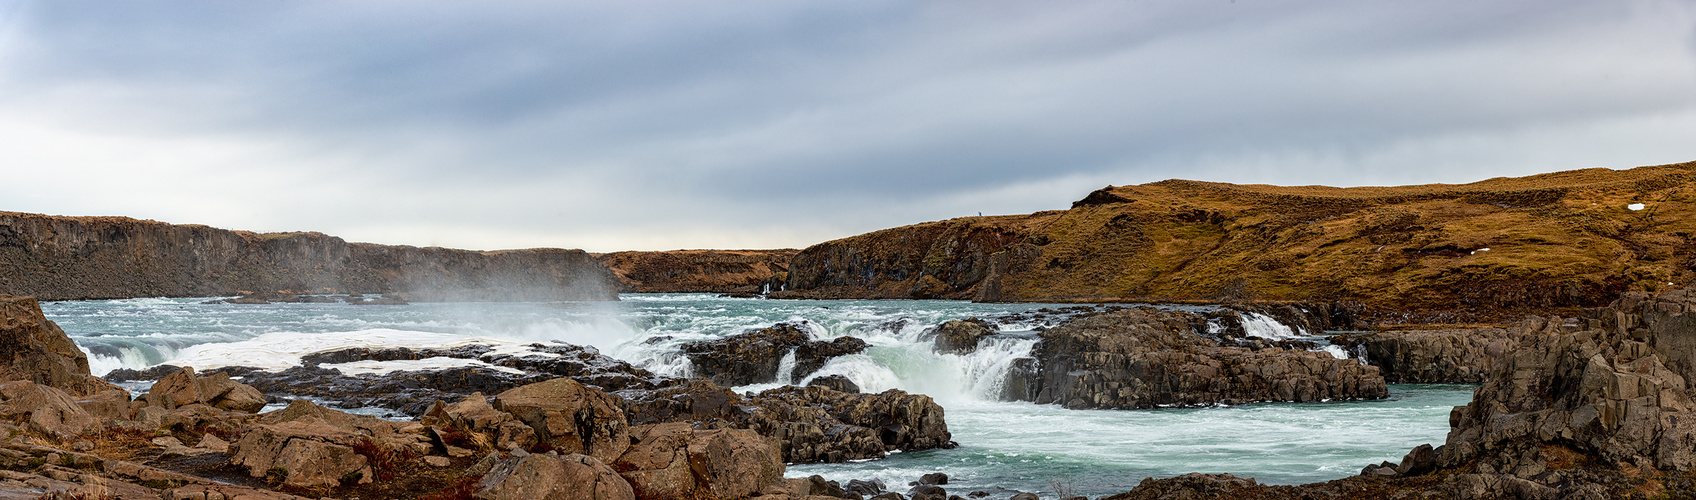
{"x": 657, "y": 125}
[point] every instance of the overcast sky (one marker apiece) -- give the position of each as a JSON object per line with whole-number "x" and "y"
{"x": 634, "y": 125}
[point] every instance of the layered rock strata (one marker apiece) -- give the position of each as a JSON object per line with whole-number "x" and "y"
{"x": 697, "y": 271}
{"x": 1146, "y": 358}
{"x": 1452, "y": 356}
{"x": 68, "y": 258}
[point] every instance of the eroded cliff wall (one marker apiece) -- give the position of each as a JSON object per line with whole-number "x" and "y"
{"x": 68, "y": 258}
{"x": 709, "y": 271}
{"x": 1484, "y": 251}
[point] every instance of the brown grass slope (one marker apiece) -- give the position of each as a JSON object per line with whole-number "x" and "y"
{"x": 712, "y": 271}
{"x": 1484, "y": 250}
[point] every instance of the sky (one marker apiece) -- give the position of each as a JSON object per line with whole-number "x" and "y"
{"x": 643, "y": 125}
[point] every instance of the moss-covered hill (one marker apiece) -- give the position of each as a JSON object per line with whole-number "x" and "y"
{"x": 1479, "y": 251}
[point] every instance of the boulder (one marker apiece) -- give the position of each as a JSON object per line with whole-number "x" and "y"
{"x": 570, "y": 417}
{"x": 676, "y": 461}
{"x": 811, "y": 356}
{"x": 962, "y": 336}
{"x": 657, "y": 465}
{"x": 45, "y": 409}
{"x": 451, "y": 424}
{"x": 733, "y": 463}
{"x": 217, "y": 390}
{"x": 33, "y": 348}
{"x": 811, "y": 424}
{"x": 304, "y": 453}
{"x": 836, "y": 383}
{"x": 747, "y": 358}
{"x": 536, "y": 476}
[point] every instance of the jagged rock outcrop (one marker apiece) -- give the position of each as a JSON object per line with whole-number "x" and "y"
{"x": 700, "y": 271}
{"x": 1613, "y": 387}
{"x": 1435, "y": 356}
{"x": 570, "y": 417}
{"x": 754, "y": 357}
{"x": 811, "y": 424}
{"x": 1486, "y": 251}
{"x": 1146, "y": 358}
{"x": 33, "y": 348}
{"x": 67, "y": 258}
{"x": 217, "y": 390}
{"x": 961, "y": 336}
{"x": 412, "y": 392}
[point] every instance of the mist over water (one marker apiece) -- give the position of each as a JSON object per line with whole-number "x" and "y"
{"x": 1020, "y": 446}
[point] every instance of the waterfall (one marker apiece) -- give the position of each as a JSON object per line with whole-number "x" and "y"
{"x": 1267, "y": 327}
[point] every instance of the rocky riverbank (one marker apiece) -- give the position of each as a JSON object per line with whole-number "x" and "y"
{"x": 1489, "y": 251}
{"x": 73, "y": 258}
{"x": 542, "y": 433}
{"x": 1590, "y": 407}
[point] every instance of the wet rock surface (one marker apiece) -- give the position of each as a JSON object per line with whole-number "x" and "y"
{"x": 810, "y": 424}
{"x": 754, "y": 357}
{"x": 1146, "y": 358}
{"x": 1434, "y": 356}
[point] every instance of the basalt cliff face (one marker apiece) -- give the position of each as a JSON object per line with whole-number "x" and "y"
{"x": 68, "y": 258}
{"x": 1485, "y": 251}
{"x": 700, "y": 271}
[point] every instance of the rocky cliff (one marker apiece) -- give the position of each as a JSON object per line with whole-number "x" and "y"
{"x": 1485, "y": 251}
{"x": 709, "y": 271}
{"x": 68, "y": 258}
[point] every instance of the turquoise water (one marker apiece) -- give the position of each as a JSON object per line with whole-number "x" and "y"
{"x": 1008, "y": 445}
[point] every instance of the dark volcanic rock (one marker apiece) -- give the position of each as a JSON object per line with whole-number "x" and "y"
{"x": 962, "y": 336}
{"x": 748, "y": 358}
{"x": 812, "y": 424}
{"x": 836, "y": 383}
{"x": 811, "y": 356}
{"x": 754, "y": 357}
{"x": 412, "y": 392}
{"x": 1434, "y": 356}
{"x": 1144, "y": 358}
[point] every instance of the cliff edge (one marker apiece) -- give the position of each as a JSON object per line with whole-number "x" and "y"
{"x": 73, "y": 258}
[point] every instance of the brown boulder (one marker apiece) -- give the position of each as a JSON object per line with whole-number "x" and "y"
{"x": 536, "y": 476}
{"x": 570, "y": 417}
{"x": 676, "y": 461}
{"x": 475, "y": 415}
{"x": 733, "y": 463}
{"x": 184, "y": 388}
{"x": 33, "y": 348}
{"x": 45, "y": 409}
{"x": 307, "y": 453}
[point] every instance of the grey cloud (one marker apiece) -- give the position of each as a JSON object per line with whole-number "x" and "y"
{"x": 840, "y": 116}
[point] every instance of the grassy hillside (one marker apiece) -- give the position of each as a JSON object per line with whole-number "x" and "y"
{"x": 1485, "y": 249}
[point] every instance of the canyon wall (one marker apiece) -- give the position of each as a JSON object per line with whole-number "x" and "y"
{"x": 700, "y": 271}
{"x": 1484, "y": 251}
{"x": 70, "y": 258}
